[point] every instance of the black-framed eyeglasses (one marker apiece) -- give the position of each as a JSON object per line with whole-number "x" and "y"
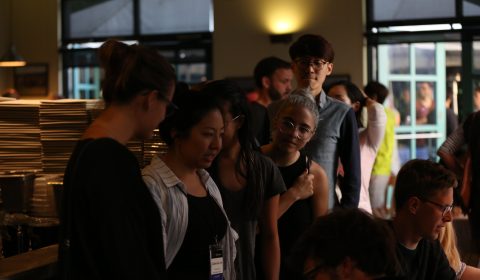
{"x": 444, "y": 208}
{"x": 286, "y": 126}
{"x": 316, "y": 63}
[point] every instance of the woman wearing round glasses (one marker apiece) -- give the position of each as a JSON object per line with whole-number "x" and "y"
{"x": 307, "y": 194}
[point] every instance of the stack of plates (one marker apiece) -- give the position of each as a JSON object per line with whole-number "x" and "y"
{"x": 20, "y": 147}
{"x": 62, "y": 123}
{"x": 43, "y": 199}
{"x": 152, "y": 147}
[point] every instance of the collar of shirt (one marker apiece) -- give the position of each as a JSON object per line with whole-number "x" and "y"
{"x": 321, "y": 99}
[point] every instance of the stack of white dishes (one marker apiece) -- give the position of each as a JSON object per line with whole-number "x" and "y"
{"x": 20, "y": 147}
{"x": 62, "y": 123}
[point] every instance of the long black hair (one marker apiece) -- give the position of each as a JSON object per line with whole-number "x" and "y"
{"x": 230, "y": 95}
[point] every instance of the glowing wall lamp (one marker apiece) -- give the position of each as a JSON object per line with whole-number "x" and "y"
{"x": 282, "y": 19}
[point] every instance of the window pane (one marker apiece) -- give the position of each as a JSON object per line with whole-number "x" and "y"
{"x": 425, "y": 58}
{"x": 425, "y": 103}
{"x": 399, "y": 56}
{"x": 98, "y": 18}
{"x": 391, "y": 10}
{"x": 426, "y": 148}
{"x": 476, "y": 95}
{"x": 179, "y": 16}
{"x": 471, "y": 8}
{"x": 476, "y": 56}
{"x": 402, "y": 101}
{"x": 192, "y": 73}
{"x": 404, "y": 147}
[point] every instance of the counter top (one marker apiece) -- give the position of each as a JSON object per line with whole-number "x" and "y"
{"x": 35, "y": 264}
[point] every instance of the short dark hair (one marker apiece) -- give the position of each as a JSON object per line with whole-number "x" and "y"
{"x": 192, "y": 107}
{"x": 376, "y": 91}
{"x": 266, "y": 67}
{"x": 351, "y": 233}
{"x": 421, "y": 178}
{"x": 312, "y": 45}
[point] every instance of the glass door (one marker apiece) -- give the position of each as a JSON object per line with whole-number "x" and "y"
{"x": 415, "y": 75}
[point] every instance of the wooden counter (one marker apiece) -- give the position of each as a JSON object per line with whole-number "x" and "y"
{"x": 36, "y": 264}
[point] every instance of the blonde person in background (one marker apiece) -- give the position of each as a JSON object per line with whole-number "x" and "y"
{"x": 448, "y": 240}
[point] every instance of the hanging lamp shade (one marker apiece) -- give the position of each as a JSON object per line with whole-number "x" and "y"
{"x": 12, "y": 59}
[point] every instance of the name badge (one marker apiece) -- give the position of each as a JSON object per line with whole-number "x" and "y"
{"x": 216, "y": 262}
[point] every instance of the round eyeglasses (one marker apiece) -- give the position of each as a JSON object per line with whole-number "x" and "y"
{"x": 316, "y": 63}
{"x": 286, "y": 126}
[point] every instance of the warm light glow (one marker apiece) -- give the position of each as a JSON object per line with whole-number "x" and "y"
{"x": 12, "y": 63}
{"x": 283, "y": 17}
{"x": 283, "y": 22}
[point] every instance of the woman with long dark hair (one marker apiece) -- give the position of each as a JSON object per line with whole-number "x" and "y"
{"x": 249, "y": 182}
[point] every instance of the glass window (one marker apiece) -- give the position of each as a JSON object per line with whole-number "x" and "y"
{"x": 192, "y": 73}
{"x": 179, "y": 16}
{"x": 402, "y": 100}
{"x": 476, "y": 56}
{"x": 97, "y": 18}
{"x": 392, "y": 10}
{"x": 404, "y": 150}
{"x": 425, "y": 58}
{"x": 471, "y": 8}
{"x": 426, "y": 148}
{"x": 399, "y": 59}
{"x": 476, "y": 95}
{"x": 425, "y": 103}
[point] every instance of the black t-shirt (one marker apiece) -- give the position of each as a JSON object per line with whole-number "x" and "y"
{"x": 206, "y": 225}
{"x": 108, "y": 216}
{"x": 234, "y": 203}
{"x": 426, "y": 262}
{"x": 297, "y": 218}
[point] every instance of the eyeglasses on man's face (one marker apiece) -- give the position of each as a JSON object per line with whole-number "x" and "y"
{"x": 316, "y": 63}
{"x": 444, "y": 208}
{"x": 286, "y": 126}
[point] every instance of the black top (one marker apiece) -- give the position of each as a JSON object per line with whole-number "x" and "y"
{"x": 426, "y": 262}
{"x": 235, "y": 204}
{"x": 206, "y": 225}
{"x": 297, "y": 218}
{"x": 108, "y": 217}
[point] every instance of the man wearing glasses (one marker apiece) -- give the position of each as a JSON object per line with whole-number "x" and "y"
{"x": 424, "y": 201}
{"x": 336, "y": 136}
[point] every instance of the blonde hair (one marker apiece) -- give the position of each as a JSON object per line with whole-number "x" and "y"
{"x": 448, "y": 240}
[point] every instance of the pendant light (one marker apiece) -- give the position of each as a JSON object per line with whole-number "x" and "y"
{"x": 11, "y": 58}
